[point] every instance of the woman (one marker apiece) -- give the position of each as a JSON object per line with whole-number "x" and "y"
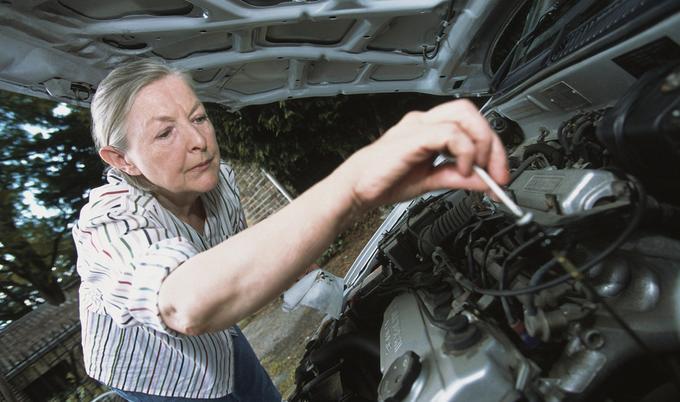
{"x": 167, "y": 265}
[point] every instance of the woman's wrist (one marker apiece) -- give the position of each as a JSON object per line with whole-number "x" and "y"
{"x": 342, "y": 186}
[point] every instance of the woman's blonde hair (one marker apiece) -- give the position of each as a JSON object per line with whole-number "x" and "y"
{"x": 113, "y": 100}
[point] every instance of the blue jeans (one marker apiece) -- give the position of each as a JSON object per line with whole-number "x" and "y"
{"x": 251, "y": 381}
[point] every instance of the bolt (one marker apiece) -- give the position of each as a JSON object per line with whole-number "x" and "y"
{"x": 593, "y": 339}
{"x": 498, "y": 124}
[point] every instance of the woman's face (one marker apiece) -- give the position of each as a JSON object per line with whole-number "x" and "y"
{"x": 171, "y": 141}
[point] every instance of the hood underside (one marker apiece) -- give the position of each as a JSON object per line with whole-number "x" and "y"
{"x": 252, "y": 51}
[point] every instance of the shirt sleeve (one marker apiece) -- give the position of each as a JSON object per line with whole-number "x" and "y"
{"x": 124, "y": 254}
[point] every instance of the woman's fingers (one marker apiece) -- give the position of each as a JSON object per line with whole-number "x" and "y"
{"x": 445, "y": 138}
{"x": 465, "y": 115}
{"x": 461, "y": 146}
{"x": 498, "y": 162}
{"x": 447, "y": 176}
{"x": 399, "y": 165}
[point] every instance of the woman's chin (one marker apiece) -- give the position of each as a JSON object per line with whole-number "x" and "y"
{"x": 207, "y": 181}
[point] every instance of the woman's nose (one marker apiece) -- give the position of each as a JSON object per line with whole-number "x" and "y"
{"x": 196, "y": 139}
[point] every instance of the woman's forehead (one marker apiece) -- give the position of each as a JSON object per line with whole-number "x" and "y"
{"x": 166, "y": 91}
{"x": 167, "y": 97}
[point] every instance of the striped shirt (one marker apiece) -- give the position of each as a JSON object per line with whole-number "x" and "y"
{"x": 127, "y": 244}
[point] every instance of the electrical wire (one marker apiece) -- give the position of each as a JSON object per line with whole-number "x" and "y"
{"x": 515, "y": 253}
{"x": 492, "y": 239}
{"x": 502, "y": 283}
{"x": 437, "y": 322}
{"x": 536, "y": 278}
{"x": 629, "y": 229}
{"x": 525, "y": 164}
{"x": 431, "y": 54}
{"x": 472, "y": 265}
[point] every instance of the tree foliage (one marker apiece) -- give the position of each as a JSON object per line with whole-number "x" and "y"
{"x": 301, "y": 141}
{"x": 52, "y": 168}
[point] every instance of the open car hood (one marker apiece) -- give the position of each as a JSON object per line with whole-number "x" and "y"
{"x": 253, "y": 51}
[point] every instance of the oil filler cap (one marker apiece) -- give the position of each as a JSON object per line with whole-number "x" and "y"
{"x": 399, "y": 378}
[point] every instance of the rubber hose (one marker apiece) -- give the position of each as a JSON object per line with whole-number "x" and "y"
{"x": 449, "y": 223}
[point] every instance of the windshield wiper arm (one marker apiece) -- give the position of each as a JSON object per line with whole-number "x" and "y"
{"x": 544, "y": 21}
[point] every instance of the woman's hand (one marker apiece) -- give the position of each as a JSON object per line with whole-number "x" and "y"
{"x": 399, "y": 165}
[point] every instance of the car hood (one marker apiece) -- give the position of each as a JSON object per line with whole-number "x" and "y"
{"x": 253, "y": 51}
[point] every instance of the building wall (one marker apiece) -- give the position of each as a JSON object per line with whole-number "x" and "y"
{"x": 259, "y": 197}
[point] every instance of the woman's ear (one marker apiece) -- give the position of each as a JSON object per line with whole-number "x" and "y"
{"x": 116, "y": 158}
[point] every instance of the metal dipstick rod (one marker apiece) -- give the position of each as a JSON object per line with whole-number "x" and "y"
{"x": 522, "y": 217}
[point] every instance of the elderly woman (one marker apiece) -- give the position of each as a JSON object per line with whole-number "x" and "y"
{"x": 168, "y": 266}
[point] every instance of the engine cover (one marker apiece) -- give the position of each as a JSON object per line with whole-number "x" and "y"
{"x": 482, "y": 371}
{"x": 552, "y": 194}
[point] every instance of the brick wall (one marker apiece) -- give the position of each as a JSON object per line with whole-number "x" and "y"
{"x": 259, "y": 196}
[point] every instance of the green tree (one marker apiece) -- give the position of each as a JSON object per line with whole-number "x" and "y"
{"x": 53, "y": 166}
{"x": 301, "y": 141}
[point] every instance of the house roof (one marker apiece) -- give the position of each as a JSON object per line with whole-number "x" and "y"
{"x": 34, "y": 334}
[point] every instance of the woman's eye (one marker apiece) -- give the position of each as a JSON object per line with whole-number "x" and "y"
{"x": 165, "y": 133}
{"x": 200, "y": 119}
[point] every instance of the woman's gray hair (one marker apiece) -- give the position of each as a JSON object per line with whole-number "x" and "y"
{"x": 113, "y": 100}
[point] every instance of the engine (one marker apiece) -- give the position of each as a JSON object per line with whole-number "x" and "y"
{"x": 463, "y": 303}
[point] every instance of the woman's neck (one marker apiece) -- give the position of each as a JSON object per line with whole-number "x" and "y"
{"x": 188, "y": 209}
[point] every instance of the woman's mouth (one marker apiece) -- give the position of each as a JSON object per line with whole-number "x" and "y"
{"x": 201, "y": 166}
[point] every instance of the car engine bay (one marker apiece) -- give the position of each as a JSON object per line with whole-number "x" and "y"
{"x": 460, "y": 302}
